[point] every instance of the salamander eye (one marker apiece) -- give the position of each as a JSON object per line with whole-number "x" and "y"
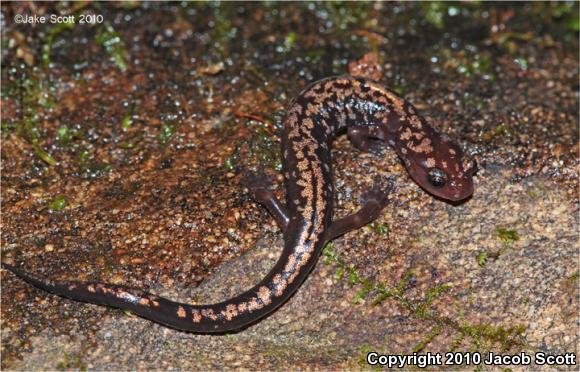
{"x": 437, "y": 177}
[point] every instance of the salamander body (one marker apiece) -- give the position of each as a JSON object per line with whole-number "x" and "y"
{"x": 371, "y": 114}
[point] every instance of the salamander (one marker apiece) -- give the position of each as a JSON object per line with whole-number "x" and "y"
{"x": 371, "y": 115}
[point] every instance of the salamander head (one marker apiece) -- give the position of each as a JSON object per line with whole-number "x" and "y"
{"x": 445, "y": 171}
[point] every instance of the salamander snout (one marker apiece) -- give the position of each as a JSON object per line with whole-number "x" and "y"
{"x": 447, "y": 178}
{"x": 460, "y": 180}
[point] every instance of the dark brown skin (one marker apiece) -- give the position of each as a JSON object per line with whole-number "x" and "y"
{"x": 371, "y": 114}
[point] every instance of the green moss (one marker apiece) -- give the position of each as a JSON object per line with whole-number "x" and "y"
{"x": 509, "y": 40}
{"x": 84, "y": 156}
{"x": 380, "y": 228}
{"x": 127, "y": 121}
{"x": 360, "y": 296}
{"x": 469, "y": 62}
{"x": 507, "y": 236}
{"x": 361, "y": 361}
{"x": 263, "y": 146}
{"x": 434, "y": 12}
{"x": 526, "y": 301}
{"x": 167, "y": 131}
{"x": 65, "y": 135}
{"x": 499, "y": 131}
{"x": 432, "y": 294}
{"x": 36, "y": 95}
{"x": 329, "y": 256}
{"x": 380, "y": 291}
{"x": 223, "y": 31}
{"x": 43, "y": 155}
{"x": 345, "y": 15}
{"x": 573, "y": 24}
{"x": 229, "y": 163}
{"x": 559, "y": 13}
{"x": 129, "y": 4}
{"x": 58, "y": 204}
{"x": 522, "y": 62}
{"x": 289, "y": 42}
{"x": 481, "y": 336}
{"x": 91, "y": 168}
{"x": 457, "y": 341}
{"x": 399, "y": 89}
{"x": 51, "y": 35}
{"x": 533, "y": 194}
{"x": 109, "y": 39}
{"x": 479, "y": 64}
{"x": 71, "y": 362}
{"x": 486, "y": 335}
{"x": 481, "y": 258}
{"x": 436, "y": 331}
{"x": 503, "y": 131}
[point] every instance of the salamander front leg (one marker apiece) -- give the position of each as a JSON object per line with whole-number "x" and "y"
{"x": 258, "y": 185}
{"x": 366, "y": 139}
{"x": 374, "y": 202}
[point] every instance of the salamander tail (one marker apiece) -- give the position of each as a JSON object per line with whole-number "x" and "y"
{"x": 212, "y": 318}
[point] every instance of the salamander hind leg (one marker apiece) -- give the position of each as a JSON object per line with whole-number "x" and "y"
{"x": 374, "y": 201}
{"x": 259, "y": 186}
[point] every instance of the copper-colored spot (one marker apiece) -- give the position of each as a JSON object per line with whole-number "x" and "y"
{"x": 230, "y": 312}
{"x": 209, "y": 313}
{"x": 264, "y": 295}
{"x": 195, "y": 316}
{"x": 306, "y": 193}
{"x": 242, "y": 307}
{"x": 290, "y": 264}
{"x": 415, "y": 122}
{"x": 424, "y": 146}
{"x": 253, "y": 305}
{"x": 280, "y": 287}
{"x": 303, "y": 164}
{"x": 122, "y": 294}
{"x": 407, "y": 134}
{"x": 144, "y": 301}
{"x": 181, "y": 312}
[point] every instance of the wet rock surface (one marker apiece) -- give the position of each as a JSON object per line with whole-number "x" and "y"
{"x": 122, "y": 144}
